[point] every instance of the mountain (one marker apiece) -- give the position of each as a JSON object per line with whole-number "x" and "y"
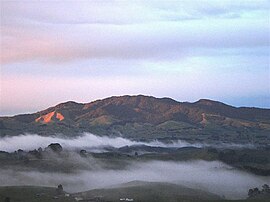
{"x": 147, "y": 118}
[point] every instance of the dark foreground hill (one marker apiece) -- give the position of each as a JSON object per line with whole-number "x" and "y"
{"x": 149, "y": 192}
{"x": 147, "y": 118}
{"x": 32, "y": 194}
{"x": 132, "y": 191}
{"x": 143, "y": 192}
{"x": 140, "y": 192}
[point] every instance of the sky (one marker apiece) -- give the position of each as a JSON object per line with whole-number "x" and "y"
{"x": 55, "y": 51}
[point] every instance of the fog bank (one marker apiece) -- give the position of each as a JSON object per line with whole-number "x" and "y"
{"x": 91, "y": 141}
{"x": 86, "y": 140}
{"x": 214, "y": 177}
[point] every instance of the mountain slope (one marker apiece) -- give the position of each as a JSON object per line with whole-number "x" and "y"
{"x": 145, "y": 117}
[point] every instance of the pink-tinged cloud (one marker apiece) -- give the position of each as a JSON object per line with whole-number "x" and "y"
{"x": 19, "y": 44}
{"x": 152, "y": 41}
{"x": 60, "y": 32}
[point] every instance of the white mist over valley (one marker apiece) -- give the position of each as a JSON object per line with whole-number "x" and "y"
{"x": 211, "y": 176}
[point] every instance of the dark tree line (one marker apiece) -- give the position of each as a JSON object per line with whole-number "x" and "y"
{"x": 256, "y": 192}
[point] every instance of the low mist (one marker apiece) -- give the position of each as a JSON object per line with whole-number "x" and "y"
{"x": 214, "y": 177}
{"x": 90, "y": 173}
{"x": 86, "y": 140}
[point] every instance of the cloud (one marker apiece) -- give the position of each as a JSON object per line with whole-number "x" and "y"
{"x": 125, "y": 12}
{"x": 151, "y": 41}
{"x": 19, "y": 44}
{"x": 42, "y": 31}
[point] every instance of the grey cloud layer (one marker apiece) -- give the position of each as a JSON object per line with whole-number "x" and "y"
{"x": 45, "y": 31}
{"x": 125, "y": 12}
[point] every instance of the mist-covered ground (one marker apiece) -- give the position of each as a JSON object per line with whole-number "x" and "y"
{"x": 90, "y": 173}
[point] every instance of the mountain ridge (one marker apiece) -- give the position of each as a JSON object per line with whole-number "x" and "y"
{"x": 69, "y": 102}
{"x": 144, "y": 115}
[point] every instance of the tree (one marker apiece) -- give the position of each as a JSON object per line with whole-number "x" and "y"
{"x": 256, "y": 191}
{"x": 253, "y": 192}
{"x": 55, "y": 147}
{"x": 83, "y": 153}
{"x": 250, "y": 193}
{"x": 261, "y": 194}
{"x": 7, "y": 199}
{"x": 59, "y": 189}
{"x": 266, "y": 188}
